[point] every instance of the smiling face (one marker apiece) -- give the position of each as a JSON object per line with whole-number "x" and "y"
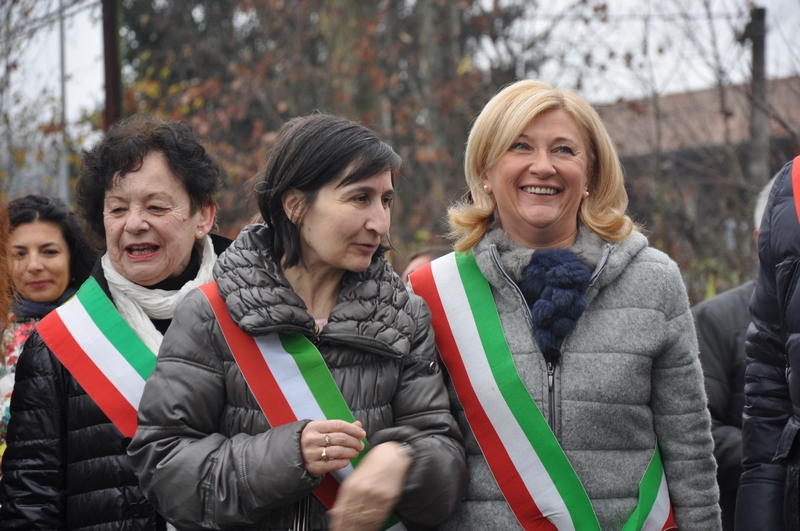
{"x": 345, "y": 225}
{"x": 150, "y": 228}
{"x": 40, "y": 261}
{"x": 538, "y": 184}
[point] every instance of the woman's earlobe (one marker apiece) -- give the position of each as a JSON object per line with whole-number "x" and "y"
{"x": 207, "y": 216}
{"x": 291, "y": 201}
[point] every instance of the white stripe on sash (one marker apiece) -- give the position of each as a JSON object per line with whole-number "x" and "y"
{"x": 102, "y": 352}
{"x": 531, "y": 470}
{"x": 294, "y": 387}
{"x": 661, "y": 507}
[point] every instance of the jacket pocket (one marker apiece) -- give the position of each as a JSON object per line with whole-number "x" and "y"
{"x": 791, "y": 494}
{"x": 787, "y": 439}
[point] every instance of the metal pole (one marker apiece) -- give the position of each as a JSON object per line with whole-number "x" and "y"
{"x": 111, "y": 63}
{"x": 759, "y": 119}
{"x": 63, "y": 168}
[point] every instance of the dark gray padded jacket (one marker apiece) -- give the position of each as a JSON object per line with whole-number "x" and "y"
{"x": 204, "y": 452}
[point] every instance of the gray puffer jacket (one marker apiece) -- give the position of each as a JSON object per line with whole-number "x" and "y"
{"x": 629, "y": 374}
{"x": 204, "y": 452}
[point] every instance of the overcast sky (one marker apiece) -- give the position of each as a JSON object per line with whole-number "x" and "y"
{"x": 681, "y": 68}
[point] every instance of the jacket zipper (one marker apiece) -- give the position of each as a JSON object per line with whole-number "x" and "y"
{"x": 551, "y": 369}
{"x": 301, "y": 515}
{"x": 787, "y": 296}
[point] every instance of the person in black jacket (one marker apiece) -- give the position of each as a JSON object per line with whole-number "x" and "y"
{"x": 148, "y": 191}
{"x": 721, "y": 323}
{"x": 768, "y": 490}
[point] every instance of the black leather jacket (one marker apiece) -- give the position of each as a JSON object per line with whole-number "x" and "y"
{"x": 768, "y": 491}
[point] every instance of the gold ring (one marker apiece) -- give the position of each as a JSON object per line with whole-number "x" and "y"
{"x": 327, "y": 440}
{"x": 324, "y": 454}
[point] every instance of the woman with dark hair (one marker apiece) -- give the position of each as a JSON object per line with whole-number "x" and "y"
{"x": 306, "y": 366}
{"x": 50, "y": 260}
{"x": 147, "y": 190}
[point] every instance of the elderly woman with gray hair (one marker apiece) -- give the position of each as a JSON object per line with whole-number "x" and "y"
{"x": 147, "y": 190}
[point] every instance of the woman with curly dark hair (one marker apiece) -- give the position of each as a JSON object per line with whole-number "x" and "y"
{"x": 147, "y": 190}
{"x": 49, "y": 261}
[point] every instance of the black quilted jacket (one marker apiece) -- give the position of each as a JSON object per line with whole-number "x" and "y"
{"x": 771, "y": 419}
{"x": 66, "y": 465}
{"x": 204, "y": 451}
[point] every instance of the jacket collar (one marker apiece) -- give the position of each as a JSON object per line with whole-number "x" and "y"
{"x": 607, "y": 260}
{"x": 260, "y": 299}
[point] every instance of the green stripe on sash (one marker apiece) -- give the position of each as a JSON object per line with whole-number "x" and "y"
{"x": 648, "y": 492}
{"x": 330, "y": 400}
{"x": 319, "y": 380}
{"x": 522, "y": 406}
{"x": 117, "y": 331}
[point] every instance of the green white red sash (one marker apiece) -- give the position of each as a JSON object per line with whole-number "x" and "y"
{"x": 521, "y": 450}
{"x": 101, "y": 351}
{"x": 290, "y": 382}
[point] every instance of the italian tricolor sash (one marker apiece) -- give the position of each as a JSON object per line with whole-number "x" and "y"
{"x": 521, "y": 450}
{"x": 290, "y": 382}
{"x": 101, "y": 351}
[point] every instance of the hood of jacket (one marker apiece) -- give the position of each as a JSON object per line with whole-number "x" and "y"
{"x": 606, "y": 260}
{"x": 372, "y": 309}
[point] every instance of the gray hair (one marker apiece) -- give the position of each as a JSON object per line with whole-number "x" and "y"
{"x": 761, "y": 203}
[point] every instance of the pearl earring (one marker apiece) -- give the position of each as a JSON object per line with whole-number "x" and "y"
{"x": 485, "y": 187}
{"x": 586, "y": 193}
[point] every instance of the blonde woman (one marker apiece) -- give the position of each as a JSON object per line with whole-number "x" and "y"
{"x": 569, "y": 342}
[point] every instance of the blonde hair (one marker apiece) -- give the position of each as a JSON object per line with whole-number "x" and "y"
{"x": 496, "y": 129}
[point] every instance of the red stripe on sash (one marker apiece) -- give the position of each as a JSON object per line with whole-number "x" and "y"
{"x": 110, "y": 401}
{"x": 503, "y": 469}
{"x": 670, "y": 524}
{"x": 796, "y": 185}
{"x": 260, "y": 379}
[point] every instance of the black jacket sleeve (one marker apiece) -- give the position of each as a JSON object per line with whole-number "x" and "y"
{"x": 33, "y": 487}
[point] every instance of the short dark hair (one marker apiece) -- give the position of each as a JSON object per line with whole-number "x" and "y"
{"x": 33, "y": 208}
{"x": 123, "y": 150}
{"x": 309, "y": 153}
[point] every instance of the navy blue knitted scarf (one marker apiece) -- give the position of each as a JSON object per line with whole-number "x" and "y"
{"x": 554, "y": 286}
{"x": 24, "y": 308}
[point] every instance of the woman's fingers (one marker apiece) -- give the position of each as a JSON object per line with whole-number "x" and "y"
{"x": 329, "y": 445}
{"x": 369, "y": 494}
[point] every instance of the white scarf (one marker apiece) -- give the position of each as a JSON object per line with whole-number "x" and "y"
{"x": 137, "y": 304}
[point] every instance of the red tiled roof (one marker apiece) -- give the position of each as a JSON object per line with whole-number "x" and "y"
{"x": 693, "y": 119}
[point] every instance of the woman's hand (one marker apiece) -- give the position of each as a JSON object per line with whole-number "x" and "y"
{"x": 369, "y": 495}
{"x": 329, "y": 445}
